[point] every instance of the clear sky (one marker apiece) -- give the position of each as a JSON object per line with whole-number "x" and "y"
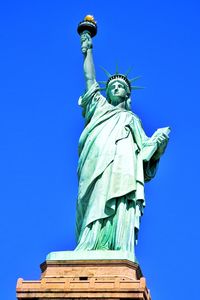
{"x": 41, "y": 79}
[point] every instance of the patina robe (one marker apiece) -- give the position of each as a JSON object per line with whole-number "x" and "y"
{"x": 114, "y": 162}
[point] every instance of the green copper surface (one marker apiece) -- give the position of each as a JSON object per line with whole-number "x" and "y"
{"x": 116, "y": 158}
{"x": 91, "y": 255}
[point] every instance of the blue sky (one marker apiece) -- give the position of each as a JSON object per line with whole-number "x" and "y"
{"x": 41, "y": 79}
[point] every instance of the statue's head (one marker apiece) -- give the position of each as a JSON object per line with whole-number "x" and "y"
{"x": 118, "y": 90}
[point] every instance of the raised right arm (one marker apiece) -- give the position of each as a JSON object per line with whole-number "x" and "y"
{"x": 88, "y": 65}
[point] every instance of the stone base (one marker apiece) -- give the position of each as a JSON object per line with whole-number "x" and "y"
{"x": 86, "y": 279}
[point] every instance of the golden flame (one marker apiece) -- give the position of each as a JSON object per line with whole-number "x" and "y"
{"x": 90, "y": 18}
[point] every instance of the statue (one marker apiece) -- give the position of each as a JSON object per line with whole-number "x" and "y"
{"x": 116, "y": 158}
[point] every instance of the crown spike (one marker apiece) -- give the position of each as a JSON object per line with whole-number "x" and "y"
{"x": 106, "y": 72}
{"x": 135, "y": 78}
{"x": 137, "y": 87}
{"x": 128, "y": 71}
{"x": 120, "y": 76}
{"x": 102, "y": 82}
{"x": 117, "y": 68}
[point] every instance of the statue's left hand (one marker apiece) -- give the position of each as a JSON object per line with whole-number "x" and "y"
{"x": 162, "y": 141}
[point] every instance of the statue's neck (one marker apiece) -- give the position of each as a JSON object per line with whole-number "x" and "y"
{"x": 124, "y": 105}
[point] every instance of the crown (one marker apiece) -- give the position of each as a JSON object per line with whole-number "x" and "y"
{"x": 123, "y": 77}
{"x": 118, "y": 76}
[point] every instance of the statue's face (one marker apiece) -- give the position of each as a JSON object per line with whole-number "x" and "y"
{"x": 117, "y": 92}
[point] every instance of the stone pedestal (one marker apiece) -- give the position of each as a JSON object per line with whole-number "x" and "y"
{"x": 86, "y": 279}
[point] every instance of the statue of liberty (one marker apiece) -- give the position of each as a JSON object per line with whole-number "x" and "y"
{"x": 116, "y": 158}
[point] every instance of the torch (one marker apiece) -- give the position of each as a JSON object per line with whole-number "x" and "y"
{"x": 88, "y": 25}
